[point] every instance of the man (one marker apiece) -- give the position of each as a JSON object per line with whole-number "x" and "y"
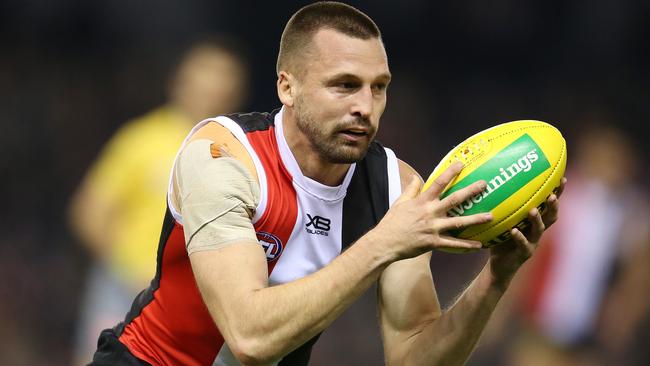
{"x": 117, "y": 210}
{"x": 311, "y": 186}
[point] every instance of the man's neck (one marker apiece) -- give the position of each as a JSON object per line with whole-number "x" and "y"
{"x": 311, "y": 164}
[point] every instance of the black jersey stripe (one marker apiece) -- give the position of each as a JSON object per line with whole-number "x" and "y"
{"x": 254, "y": 121}
{"x": 366, "y": 201}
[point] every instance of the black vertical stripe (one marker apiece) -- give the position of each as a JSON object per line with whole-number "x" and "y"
{"x": 254, "y": 121}
{"x": 366, "y": 201}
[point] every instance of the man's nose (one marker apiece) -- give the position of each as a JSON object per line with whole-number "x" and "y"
{"x": 363, "y": 103}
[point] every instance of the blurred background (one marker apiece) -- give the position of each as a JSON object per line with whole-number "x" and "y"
{"x": 78, "y": 78}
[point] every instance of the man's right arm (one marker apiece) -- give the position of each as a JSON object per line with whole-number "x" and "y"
{"x": 260, "y": 323}
{"x": 233, "y": 279}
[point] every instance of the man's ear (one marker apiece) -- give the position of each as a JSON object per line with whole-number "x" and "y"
{"x": 286, "y": 86}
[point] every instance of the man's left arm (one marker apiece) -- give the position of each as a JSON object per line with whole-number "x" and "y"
{"x": 416, "y": 331}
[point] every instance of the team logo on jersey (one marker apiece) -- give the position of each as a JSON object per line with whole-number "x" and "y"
{"x": 271, "y": 244}
{"x": 318, "y": 225}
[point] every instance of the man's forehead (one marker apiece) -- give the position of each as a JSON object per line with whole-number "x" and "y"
{"x": 336, "y": 52}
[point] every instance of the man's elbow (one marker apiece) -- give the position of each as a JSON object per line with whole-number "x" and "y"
{"x": 253, "y": 351}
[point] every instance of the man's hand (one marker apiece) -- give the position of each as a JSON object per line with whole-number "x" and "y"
{"x": 418, "y": 222}
{"x": 507, "y": 257}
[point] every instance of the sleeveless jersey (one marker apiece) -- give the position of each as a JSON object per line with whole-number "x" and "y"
{"x": 301, "y": 224}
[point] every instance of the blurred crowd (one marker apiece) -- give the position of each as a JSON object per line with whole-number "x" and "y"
{"x": 96, "y": 96}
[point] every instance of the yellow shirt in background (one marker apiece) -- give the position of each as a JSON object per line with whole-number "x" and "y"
{"x": 133, "y": 172}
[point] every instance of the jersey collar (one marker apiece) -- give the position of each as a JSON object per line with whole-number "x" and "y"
{"x": 324, "y": 192}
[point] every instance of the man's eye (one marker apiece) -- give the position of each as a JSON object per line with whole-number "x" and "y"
{"x": 348, "y": 85}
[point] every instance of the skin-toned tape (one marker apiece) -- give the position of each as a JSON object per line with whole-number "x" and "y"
{"x": 217, "y": 197}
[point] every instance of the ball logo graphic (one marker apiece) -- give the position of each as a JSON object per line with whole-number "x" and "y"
{"x": 271, "y": 244}
{"x": 522, "y": 163}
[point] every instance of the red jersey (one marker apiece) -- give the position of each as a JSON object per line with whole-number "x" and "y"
{"x": 302, "y": 225}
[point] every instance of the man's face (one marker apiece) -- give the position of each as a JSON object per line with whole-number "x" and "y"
{"x": 341, "y": 95}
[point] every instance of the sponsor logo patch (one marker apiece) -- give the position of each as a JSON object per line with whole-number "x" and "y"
{"x": 271, "y": 244}
{"x": 318, "y": 225}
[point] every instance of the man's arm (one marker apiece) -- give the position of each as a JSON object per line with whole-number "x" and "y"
{"x": 416, "y": 331}
{"x": 261, "y": 323}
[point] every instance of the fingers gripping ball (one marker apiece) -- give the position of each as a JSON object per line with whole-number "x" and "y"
{"x": 522, "y": 162}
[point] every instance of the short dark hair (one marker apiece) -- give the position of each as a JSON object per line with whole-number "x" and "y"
{"x": 340, "y": 17}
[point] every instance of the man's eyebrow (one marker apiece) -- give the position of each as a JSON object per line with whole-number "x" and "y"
{"x": 345, "y": 75}
{"x": 387, "y": 76}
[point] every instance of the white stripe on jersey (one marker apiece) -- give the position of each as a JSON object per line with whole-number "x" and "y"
{"x": 394, "y": 180}
{"x": 316, "y": 237}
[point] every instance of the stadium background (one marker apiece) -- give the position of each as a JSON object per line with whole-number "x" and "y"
{"x": 72, "y": 71}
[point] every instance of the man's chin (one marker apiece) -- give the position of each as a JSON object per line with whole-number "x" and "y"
{"x": 347, "y": 155}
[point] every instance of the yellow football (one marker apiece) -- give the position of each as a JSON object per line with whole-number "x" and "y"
{"x": 522, "y": 163}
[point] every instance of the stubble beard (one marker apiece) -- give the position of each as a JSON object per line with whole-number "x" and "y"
{"x": 328, "y": 144}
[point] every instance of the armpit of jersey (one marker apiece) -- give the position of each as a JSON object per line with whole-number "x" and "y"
{"x": 218, "y": 197}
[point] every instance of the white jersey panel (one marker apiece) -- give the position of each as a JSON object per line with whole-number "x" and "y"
{"x": 315, "y": 240}
{"x": 316, "y": 237}
{"x": 394, "y": 179}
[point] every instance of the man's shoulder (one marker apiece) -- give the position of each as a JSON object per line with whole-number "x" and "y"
{"x": 378, "y": 156}
{"x": 254, "y": 121}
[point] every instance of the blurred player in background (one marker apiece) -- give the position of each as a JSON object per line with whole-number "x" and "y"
{"x": 118, "y": 207}
{"x": 584, "y": 298}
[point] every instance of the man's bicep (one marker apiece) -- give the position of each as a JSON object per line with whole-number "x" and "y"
{"x": 218, "y": 198}
{"x": 226, "y": 278}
